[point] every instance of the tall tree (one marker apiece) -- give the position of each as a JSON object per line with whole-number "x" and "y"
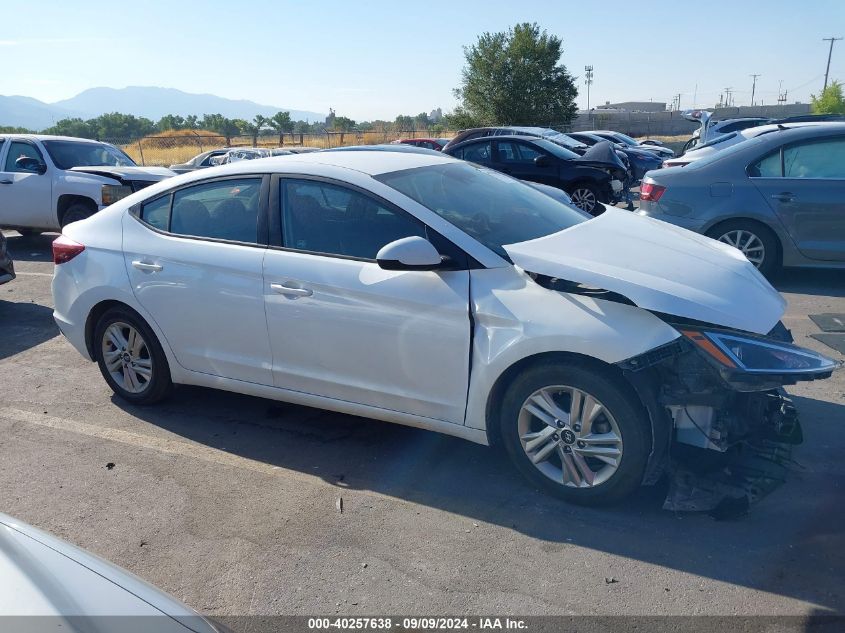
{"x": 515, "y": 78}
{"x": 282, "y": 124}
{"x": 830, "y": 101}
{"x": 254, "y": 127}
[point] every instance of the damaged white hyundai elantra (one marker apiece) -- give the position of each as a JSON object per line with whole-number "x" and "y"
{"x": 431, "y": 292}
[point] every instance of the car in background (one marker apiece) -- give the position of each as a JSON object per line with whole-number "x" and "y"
{"x": 47, "y": 182}
{"x": 709, "y": 129}
{"x": 299, "y": 149}
{"x": 387, "y": 147}
{"x": 509, "y": 130}
{"x": 436, "y": 144}
{"x": 237, "y": 154}
{"x": 200, "y": 161}
{"x": 779, "y": 197}
{"x": 7, "y": 266}
{"x": 541, "y": 160}
{"x": 624, "y": 139}
{"x": 640, "y": 160}
{"x": 44, "y": 577}
{"x": 325, "y": 279}
{"x": 725, "y": 141}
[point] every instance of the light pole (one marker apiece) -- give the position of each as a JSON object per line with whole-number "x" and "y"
{"x": 588, "y": 74}
{"x": 829, "y": 55}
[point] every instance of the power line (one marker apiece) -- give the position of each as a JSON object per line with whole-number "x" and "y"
{"x": 829, "y": 55}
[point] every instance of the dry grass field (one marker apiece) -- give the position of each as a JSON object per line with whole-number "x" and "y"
{"x": 178, "y": 146}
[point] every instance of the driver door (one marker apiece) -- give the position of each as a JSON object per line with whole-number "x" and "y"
{"x": 25, "y": 194}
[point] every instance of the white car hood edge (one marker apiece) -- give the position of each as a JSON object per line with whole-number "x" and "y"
{"x": 659, "y": 267}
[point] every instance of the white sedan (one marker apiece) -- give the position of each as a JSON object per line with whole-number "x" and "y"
{"x": 427, "y": 291}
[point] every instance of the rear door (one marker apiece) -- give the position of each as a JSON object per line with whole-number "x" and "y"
{"x": 341, "y": 327}
{"x": 517, "y": 159}
{"x": 804, "y": 183}
{"x": 194, "y": 258}
{"x": 25, "y": 194}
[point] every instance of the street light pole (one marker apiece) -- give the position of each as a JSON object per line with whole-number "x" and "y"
{"x": 829, "y": 55}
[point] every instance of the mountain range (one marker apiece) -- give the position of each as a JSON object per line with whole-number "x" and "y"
{"x": 146, "y": 101}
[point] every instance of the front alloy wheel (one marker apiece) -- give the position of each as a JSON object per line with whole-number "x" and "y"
{"x": 577, "y": 429}
{"x": 584, "y": 198}
{"x": 570, "y": 436}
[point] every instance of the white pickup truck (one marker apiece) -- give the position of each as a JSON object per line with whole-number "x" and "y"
{"x": 47, "y": 182}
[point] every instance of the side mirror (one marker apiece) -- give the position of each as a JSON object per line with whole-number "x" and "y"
{"x": 30, "y": 164}
{"x": 409, "y": 253}
{"x": 542, "y": 160}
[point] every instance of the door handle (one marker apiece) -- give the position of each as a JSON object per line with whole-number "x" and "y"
{"x": 281, "y": 289}
{"x": 6, "y": 181}
{"x": 784, "y": 196}
{"x": 153, "y": 268}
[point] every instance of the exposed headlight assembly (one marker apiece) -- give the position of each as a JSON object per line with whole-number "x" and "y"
{"x": 743, "y": 353}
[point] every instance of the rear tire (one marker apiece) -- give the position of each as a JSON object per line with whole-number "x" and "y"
{"x": 756, "y": 242}
{"x": 76, "y": 212}
{"x": 131, "y": 358}
{"x": 598, "y": 427}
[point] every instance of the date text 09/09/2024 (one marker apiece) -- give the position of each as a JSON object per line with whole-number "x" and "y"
{"x": 417, "y": 624}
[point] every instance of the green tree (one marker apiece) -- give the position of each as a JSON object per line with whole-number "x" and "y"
{"x": 830, "y": 101}
{"x": 191, "y": 122}
{"x": 170, "y": 122}
{"x": 119, "y": 126}
{"x": 342, "y": 124}
{"x": 254, "y": 127}
{"x": 282, "y": 124}
{"x": 460, "y": 119}
{"x": 403, "y": 123}
{"x": 515, "y": 78}
{"x": 72, "y": 127}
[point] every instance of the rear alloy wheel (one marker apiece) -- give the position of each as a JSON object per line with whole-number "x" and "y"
{"x": 577, "y": 431}
{"x": 585, "y": 198}
{"x": 130, "y": 358}
{"x": 758, "y": 245}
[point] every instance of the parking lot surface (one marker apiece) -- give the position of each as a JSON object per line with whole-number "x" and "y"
{"x": 233, "y": 504}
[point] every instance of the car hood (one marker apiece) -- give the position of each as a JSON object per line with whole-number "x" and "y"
{"x": 44, "y": 576}
{"x": 153, "y": 174}
{"x": 659, "y": 267}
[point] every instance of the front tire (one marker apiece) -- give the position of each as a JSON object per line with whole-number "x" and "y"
{"x": 586, "y": 197}
{"x": 131, "y": 358}
{"x": 577, "y": 431}
{"x": 75, "y": 213}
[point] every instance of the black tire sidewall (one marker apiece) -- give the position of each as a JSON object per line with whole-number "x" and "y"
{"x": 161, "y": 384}
{"x": 771, "y": 262}
{"x": 76, "y": 212}
{"x": 615, "y": 394}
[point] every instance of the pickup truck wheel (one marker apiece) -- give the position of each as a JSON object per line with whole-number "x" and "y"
{"x": 577, "y": 431}
{"x": 76, "y": 212}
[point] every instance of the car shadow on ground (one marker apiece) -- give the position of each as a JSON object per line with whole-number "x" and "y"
{"x": 23, "y": 326}
{"x": 30, "y": 248}
{"x": 811, "y": 281}
{"x": 791, "y": 543}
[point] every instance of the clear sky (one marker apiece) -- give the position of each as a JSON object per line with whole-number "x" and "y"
{"x": 376, "y": 59}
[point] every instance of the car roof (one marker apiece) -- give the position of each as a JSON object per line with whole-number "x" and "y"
{"x": 51, "y": 137}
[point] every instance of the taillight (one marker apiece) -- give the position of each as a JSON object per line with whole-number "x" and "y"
{"x": 651, "y": 192}
{"x": 65, "y": 249}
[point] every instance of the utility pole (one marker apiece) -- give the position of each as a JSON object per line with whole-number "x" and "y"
{"x": 829, "y": 55}
{"x": 753, "y": 87}
{"x": 588, "y": 74}
{"x": 728, "y": 97}
{"x": 678, "y": 101}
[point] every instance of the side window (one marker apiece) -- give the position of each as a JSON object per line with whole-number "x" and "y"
{"x": 767, "y": 167}
{"x": 157, "y": 213}
{"x": 478, "y": 153}
{"x": 325, "y": 218}
{"x": 18, "y": 150}
{"x": 527, "y": 154}
{"x": 507, "y": 152}
{"x": 816, "y": 159}
{"x": 222, "y": 209}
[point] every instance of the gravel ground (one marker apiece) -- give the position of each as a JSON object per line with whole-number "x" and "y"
{"x": 230, "y": 503}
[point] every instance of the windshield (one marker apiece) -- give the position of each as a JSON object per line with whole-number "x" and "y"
{"x": 493, "y": 208}
{"x": 715, "y": 141}
{"x": 624, "y": 138}
{"x": 68, "y": 154}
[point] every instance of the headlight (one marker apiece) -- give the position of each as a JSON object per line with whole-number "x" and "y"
{"x": 113, "y": 193}
{"x": 758, "y": 356}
